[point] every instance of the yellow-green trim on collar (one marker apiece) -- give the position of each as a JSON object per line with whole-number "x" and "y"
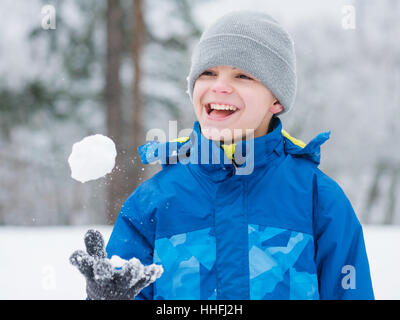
{"x": 181, "y": 139}
{"x": 229, "y": 150}
{"x": 297, "y": 142}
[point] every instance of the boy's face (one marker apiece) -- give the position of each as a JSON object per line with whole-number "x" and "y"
{"x": 252, "y": 102}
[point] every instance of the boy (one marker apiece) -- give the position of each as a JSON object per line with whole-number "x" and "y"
{"x": 281, "y": 229}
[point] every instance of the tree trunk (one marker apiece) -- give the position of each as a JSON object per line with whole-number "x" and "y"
{"x": 391, "y": 206}
{"x": 113, "y": 102}
{"x": 138, "y": 30}
{"x": 374, "y": 191}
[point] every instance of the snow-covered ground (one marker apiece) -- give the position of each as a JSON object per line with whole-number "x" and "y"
{"x": 34, "y": 261}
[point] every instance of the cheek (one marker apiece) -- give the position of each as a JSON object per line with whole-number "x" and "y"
{"x": 198, "y": 91}
{"x": 256, "y": 109}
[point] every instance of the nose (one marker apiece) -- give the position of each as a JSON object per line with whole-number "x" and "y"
{"x": 221, "y": 86}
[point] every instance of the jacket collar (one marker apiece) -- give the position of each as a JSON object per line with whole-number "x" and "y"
{"x": 215, "y": 160}
{"x": 242, "y": 158}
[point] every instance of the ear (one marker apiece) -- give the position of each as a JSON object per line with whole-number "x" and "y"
{"x": 276, "y": 107}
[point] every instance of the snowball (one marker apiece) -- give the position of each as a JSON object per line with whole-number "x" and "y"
{"x": 117, "y": 262}
{"x": 153, "y": 271}
{"x": 157, "y": 272}
{"x": 92, "y": 158}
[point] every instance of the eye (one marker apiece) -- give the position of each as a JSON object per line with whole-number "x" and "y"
{"x": 207, "y": 73}
{"x": 243, "y": 76}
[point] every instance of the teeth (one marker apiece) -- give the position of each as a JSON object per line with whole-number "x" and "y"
{"x": 222, "y": 107}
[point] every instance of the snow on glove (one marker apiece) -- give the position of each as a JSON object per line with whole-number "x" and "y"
{"x": 104, "y": 280}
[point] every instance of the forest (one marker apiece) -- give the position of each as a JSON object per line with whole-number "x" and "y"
{"x": 119, "y": 68}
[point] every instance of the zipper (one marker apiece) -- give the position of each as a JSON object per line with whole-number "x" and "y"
{"x": 234, "y": 165}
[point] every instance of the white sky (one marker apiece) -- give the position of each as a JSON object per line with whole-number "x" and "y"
{"x": 16, "y": 18}
{"x": 285, "y": 11}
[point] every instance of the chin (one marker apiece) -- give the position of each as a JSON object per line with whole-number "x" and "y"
{"x": 215, "y": 134}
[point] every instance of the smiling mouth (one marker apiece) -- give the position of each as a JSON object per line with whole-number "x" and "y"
{"x": 219, "y": 111}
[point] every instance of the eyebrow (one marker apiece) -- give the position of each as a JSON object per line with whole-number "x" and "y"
{"x": 233, "y": 68}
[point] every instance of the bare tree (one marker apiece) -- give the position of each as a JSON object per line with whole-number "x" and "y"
{"x": 138, "y": 31}
{"x": 113, "y": 102}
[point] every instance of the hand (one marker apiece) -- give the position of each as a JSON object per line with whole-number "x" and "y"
{"x": 103, "y": 280}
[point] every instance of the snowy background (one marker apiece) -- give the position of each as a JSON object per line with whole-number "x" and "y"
{"x": 34, "y": 261}
{"x": 53, "y": 85}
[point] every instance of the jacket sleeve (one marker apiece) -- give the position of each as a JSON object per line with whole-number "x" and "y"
{"x": 341, "y": 258}
{"x": 133, "y": 235}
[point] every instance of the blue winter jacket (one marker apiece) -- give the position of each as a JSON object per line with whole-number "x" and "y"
{"x": 280, "y": 230}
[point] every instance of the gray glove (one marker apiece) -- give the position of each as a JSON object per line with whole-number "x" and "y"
{"x": 106, "y": 282}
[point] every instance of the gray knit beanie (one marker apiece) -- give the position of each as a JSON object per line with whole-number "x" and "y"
{"x": 253, "y": 42}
